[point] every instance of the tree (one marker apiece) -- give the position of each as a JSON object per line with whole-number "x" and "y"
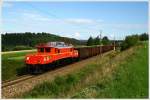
{"x": 97, "y": 41}
{"x": 105, "y": 40}
{"x": 90, "y": 41}
{"x": 28, "y": 39}
{"x": 130, "y": 41}
{"x": 144, "y": 37}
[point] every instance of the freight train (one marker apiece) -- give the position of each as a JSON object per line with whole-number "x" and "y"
{"x": 52, "y": 54}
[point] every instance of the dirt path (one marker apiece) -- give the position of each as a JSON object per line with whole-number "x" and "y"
{"x": 25, "y": 86}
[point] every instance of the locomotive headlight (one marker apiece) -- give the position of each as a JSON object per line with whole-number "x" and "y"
{"x": 27, "y": 58}
{"x": 48, "y": 57}
{"x": 44, "y": 58}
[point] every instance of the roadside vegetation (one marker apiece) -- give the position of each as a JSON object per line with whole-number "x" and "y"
{"x": 13, "y": 65}
{"x": 124, "y": 76}
{"x": 130, "y": 80}
{"x": 133, "y": 40}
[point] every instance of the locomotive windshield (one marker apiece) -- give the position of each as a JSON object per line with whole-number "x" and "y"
{"x": 47, "y": 49}
{"x": 41, "y": 49}
{"x": 44, "y": 50}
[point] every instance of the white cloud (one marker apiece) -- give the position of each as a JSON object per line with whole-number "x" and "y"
{"x": 77, "y": 35}
{"x": 83, "y": 21}
{"x": 80, "y": 21}
{"x": 34, "y": 16}
{"x": 112, "y": 35}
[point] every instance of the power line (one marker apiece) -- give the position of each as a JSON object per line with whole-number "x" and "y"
{"x": 55, "y": 16}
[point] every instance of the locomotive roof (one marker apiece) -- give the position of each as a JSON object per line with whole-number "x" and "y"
{"x": 54, "y": 45}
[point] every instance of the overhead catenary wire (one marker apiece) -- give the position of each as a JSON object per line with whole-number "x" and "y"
{"x": 57, "y": 17}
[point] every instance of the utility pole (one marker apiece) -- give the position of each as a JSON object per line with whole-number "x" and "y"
{"x": 114, "y": 42}
{"x": 100, "y": 35}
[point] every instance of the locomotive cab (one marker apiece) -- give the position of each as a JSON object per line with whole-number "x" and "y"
{"x": 45, "y": 50}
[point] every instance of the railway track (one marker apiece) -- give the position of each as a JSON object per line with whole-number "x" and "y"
{"x": 8, "y": 83}
{"x": 19, "y": 79}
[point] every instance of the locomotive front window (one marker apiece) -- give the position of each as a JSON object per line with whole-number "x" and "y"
{"x": 47, "y": 49}
{"x": 41, "y": 49}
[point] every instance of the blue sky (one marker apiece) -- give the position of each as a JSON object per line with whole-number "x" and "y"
{"x": 76, "y": 19}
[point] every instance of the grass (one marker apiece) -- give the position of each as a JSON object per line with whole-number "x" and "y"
{"x": 13, "y": 65}
{"x": 130, "y": 80}
{"x": 127, "y": 79}
{"x": 60, "y": 86}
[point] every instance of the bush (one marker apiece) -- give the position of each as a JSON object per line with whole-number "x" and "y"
{"x": 5, "y": 48}
{"x": 130, "y": 41}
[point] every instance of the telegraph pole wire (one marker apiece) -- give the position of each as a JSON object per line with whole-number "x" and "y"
{"x": 55, "y": 16}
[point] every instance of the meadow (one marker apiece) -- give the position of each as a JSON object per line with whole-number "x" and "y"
{"x": 13, "y": 65}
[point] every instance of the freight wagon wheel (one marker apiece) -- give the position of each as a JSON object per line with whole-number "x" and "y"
{"x": 34, "y": 69}
{"x": 75, "y": 59}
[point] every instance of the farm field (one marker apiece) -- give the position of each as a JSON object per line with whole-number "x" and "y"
{"x": 124, "y": 76}
{"x": 13, "y": 64}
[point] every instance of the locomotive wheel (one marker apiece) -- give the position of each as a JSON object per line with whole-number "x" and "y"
{"x": 29, "y": 68}
{"x": 34, "y": 69}
{"x": 38, "y": 69}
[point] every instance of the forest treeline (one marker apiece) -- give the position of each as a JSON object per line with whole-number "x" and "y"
{"x": 128, "y": 42}
{"x": 28, "y": 40}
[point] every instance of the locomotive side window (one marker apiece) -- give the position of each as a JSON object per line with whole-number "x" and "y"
{"x": 41, "y": 49}
{"x": 58, "y": 51}
{"x": 47, "y": 49}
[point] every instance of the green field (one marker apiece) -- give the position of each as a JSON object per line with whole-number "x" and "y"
{"x": 13, "y": 65}
{"x": 128, "y": 79}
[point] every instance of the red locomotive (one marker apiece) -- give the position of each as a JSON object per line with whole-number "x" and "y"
{"x": 49, "y": 53}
